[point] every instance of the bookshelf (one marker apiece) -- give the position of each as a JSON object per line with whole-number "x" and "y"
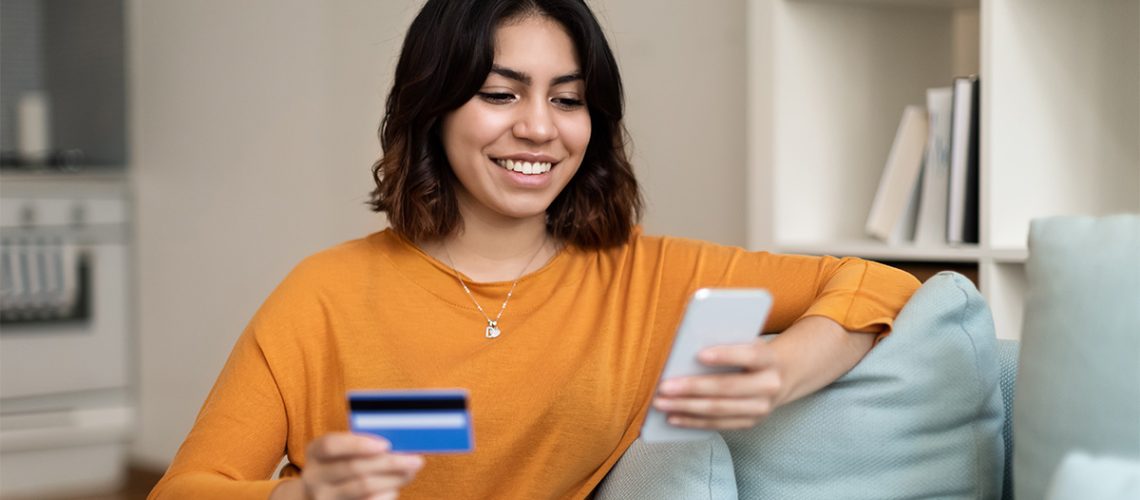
{"x": 1059, "y": 125}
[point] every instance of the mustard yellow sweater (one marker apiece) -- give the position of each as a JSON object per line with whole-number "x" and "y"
{"x": 555, "y": 400}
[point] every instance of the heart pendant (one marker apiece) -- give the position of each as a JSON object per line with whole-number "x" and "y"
{"x": 492, "y": 331}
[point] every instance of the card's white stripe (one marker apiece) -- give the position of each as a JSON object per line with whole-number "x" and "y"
{"x": 409, "y": 421}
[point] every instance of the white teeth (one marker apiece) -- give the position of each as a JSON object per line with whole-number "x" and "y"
{"x": 525, "y": 167}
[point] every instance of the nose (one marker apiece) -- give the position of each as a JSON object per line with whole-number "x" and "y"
{"x": 535, "y": 123}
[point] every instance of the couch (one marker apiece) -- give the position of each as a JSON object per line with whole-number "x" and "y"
{"x": 934, "y": 410}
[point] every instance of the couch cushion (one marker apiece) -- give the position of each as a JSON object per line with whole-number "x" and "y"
{"x": 1007, "y": 360}
{"x": 1079, "y": 374}
{"x": 683, "y": 470}
{"x": 919, "y": 417}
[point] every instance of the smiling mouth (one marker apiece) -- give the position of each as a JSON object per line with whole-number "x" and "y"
{"x": 526, "y": 167}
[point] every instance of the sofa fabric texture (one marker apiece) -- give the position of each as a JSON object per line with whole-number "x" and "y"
{"x": 1007, "y": 358}
{"x": 1079, "y": 371}
{"x": 920, "y": 417}
{"x": 696, "y": 470}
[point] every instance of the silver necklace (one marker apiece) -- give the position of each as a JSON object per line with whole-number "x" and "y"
{"x": 492, "y": 330}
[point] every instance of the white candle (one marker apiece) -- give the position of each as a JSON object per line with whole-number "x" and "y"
{"x": 34, "y": 126}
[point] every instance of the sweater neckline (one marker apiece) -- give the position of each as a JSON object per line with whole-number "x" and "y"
{"x": 439, "y": 279}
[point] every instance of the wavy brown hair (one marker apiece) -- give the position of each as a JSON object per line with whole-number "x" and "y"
{"x": 447, "y": 55}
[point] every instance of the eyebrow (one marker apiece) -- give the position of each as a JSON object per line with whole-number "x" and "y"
{"x": 525, "y": 79}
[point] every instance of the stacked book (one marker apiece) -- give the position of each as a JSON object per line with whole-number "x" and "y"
{"x": 928, "y": 193}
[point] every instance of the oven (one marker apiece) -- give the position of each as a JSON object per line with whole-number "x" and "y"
{"x": 65, "y": 407}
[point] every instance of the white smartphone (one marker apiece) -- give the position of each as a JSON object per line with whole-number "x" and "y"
{"x": 714, "y": 316}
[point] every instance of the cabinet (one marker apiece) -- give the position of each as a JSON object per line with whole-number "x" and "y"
{"x": 1059, "y": 125}
{"x": 67, "y": 60}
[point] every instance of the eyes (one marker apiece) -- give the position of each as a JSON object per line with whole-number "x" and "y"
{"x": 562, "y": 102}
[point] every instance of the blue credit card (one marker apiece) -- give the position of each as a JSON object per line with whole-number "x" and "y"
{"x": 414, "y": 421}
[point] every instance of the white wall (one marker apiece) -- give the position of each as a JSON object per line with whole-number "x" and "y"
{"x": 253, "y": 127}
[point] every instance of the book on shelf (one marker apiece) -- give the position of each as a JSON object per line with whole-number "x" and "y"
{"x": 895, "y": 204}
{"x": 930, "y": 226}
{"x": 962, "y": 195}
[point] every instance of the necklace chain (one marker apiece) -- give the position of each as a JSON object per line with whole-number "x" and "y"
{"x": 492, "y": 330}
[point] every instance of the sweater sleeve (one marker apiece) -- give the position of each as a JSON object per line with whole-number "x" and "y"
{"x": 238, "y": 438}
{"x": 860, "y": 295}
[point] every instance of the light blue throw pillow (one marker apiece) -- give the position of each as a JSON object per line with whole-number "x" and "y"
{"x": 692, "y": 470}
{"x": 1079, "y": 376}
{"x": 920, "y": 417}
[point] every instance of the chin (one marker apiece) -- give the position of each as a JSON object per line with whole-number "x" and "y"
{"x": 527, "y": 213}
{"x": 525, "y": 209}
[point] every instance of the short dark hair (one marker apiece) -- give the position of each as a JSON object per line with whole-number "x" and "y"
{"x": 447, "y": 55}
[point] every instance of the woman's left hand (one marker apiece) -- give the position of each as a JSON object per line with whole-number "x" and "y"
{"x": 724, "y": 401}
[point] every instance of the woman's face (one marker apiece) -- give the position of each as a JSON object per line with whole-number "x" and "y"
{"x": 517, "y": 143}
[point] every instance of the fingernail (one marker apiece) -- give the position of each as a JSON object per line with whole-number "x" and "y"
{"x": 416, "y": 461}
{"x": 670, "y": 386}
{"x": 674, "y": 421}
{"x": 707, "y": 356}
{"x": 661, "y": 404}
{"x": 379, "y": 444}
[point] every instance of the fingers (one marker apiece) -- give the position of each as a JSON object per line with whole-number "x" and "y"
{"x": 338, "y": 471}
{"x": 766, "y": 383}
{"x": 359, "y": 478}
{"x": 376, "y": 486}
{"x": 754, "y": 356}
{"x": 722, "y": 424}
{"x": 725, "y": 400}
{"x": 351, "y": 466}
{"x": 339, "y": 445}
{"x": 715, "y": 408}
{"x": 369, "y": 487}
{"x": 735, "y": 401}
{"x": 715, "y": 413}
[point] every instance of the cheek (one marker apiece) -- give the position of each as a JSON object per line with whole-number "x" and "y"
{"x": 576, "y": 133}
{"x": 447, "y": 135}
{"x": 470, "y": 129}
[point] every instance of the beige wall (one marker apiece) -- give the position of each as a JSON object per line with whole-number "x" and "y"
{"x": 253, "y": 127}
{"x": 683, "y": 64}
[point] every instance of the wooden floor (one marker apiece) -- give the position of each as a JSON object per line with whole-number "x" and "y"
{"x": 138, "y": 485}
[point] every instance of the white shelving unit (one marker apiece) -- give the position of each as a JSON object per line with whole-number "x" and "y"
{"x": 1060, "y": 120}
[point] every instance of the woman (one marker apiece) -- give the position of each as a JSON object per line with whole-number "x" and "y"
{"x": 513, "y": 269}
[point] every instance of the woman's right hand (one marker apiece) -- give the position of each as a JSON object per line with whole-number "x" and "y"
{"x": 343, "y": 466}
